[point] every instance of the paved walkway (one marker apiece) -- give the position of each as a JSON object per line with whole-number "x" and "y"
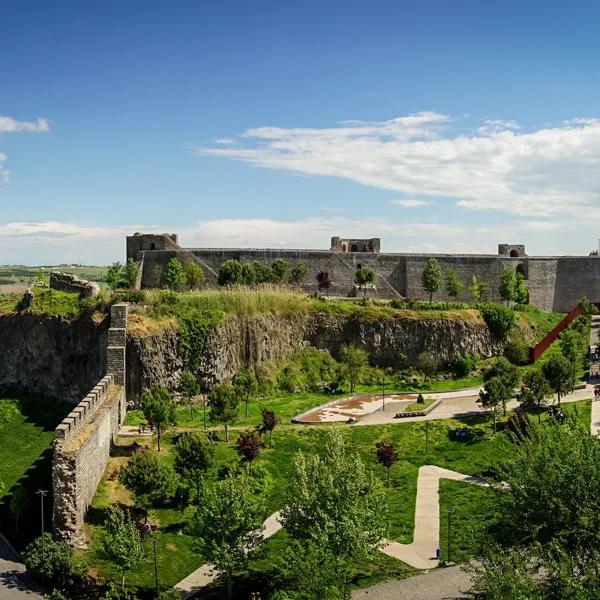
{"x": 14, "y": 584}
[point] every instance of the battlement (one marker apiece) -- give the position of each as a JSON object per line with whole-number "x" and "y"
{"x": 339, "y": 244}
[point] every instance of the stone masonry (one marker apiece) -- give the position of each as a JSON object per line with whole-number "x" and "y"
{"x": 85, "y": 437}
{"x": 555, "y": 283}
{"x": 65, "y": 282}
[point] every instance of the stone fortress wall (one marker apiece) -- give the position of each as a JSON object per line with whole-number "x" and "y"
{"x": 66, "y": 282}
{"x": 85, "y": 437}
{"x": 555, "y": 283}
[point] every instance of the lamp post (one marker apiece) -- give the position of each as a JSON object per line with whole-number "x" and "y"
{"x": 43, "y": 494}
{"x": 383, "y": 393}
{"x": 153, "y": 538}
{"x": 450, "y": 511}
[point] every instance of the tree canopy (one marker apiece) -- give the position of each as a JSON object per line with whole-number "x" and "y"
{"x": 431, "y": 278}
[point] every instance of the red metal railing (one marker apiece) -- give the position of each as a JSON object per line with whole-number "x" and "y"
{"x": 552, "y": 336}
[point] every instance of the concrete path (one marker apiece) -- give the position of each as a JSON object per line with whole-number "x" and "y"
{"x": 14, "y": 584}
{"x": 442, "y": 584}
{"x": 420, "y": 554}
{"x": 206, "y": 574}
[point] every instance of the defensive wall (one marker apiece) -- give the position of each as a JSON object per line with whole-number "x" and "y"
{"x": 66, "y": 282}
{"x": 555, "y": 283}
{"x": 85, "y": 437}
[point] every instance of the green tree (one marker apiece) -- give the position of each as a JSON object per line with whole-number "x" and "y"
{"x": 248, "y": 273}
{"x": 559, "y": 373}
{"x": 492, "y": 396}
{"x": 478, "y": 288}
{"x": 508, "y": 374}
{"x": 148, "y": 479}
{"x": 431, "y": 278}
{"x": 158, "y": 407}
{"x": 130, "y": 273}
{"x": 224, "y": 402}
{"x": 48, "y": 558}
{"x": 324, "y": 281}
{"x": 190, "y": 388}
{"x": 508, "y": 284}
{"x": 454, "y": 286}
{"x": 363, "y": 277}
{"x": 354, "y": 359}
{"x": 499, "y": 319}
{"x": 535, "y": 390}
{"x": 227, "y": 525}
{"x": 19, "y": 502}
{"x": 262, "y": 272}
{"x": 174, "y": 274}
{"x": 194, "y": 456}
{"x": 280, "y": 269}
{"x": 298, "y": 273}
{"x": 335, "y": 503}
{"x": 121, "y": 542}
{"x": 114, "y": 276}
{"x": 521, "y": 291}
{"x": 230, "y": 273}
{"x": 194, "y": 275}
{"x": 246, "y": 385}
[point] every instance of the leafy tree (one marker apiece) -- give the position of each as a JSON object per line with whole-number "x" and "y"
{"x": 269, "y": 421}
{"x": 194, "y": 275}
{"x": 587, "y": 308}
{"x": 499, "y": 319}
{"x": 194, "y": 456}
{"x": 492, "y": 396}
{"x": 298, "y": 273}
{"x": 280, "y": 269}
{"x": 463, "y": 366}
{"x": 431, "y": 278}
{"x": 148, "y": 479}
{"x": 230, "y": 273}
{"x": 427, "y": 363}
{"x": 262, "y": 272}
{"x": 508, "y": 375}
{"x": 454, "y": 286}
{"x": 324, "y": 281}
{"x": 535, "y": 390}
{"x": 174, "y": 274}
{"x": 130, "y": 273}
{"x": 521, "y": 291}
{"x": 559, "y": 373}
{"x": 508, "y": 284}
{"x": 158, "y": 408}
{"x": 121, "y": 542}
{"x": 334, "y": 502}
{"x": 574, "y": 347}
{"x": 227, "y": 525}
{"x": 248, "y": 273}
{"x": 48, "y": 558}
{"x": 386, "y": 456}
{"x": 355, "y": 359}
{"x": 363, "y": 277}
{"x": 224, "y": 402}
{"x": 478, "y": 288}
{"x": 190, "y": 388}
{"x": 248, "y": 446}
{"x": 246, "y": 385}
{"x": 114, "y": 276}
{"x": 19, "y": 502}
{"x": 551, "y": 486}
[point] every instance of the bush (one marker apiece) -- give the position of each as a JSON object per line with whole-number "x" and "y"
{"x": 428, "y": 363}
{"x": 48, "y": 558}
{"x": 463, "y": 366}
{"x": 517, "y": 351}
{"x": 499, "y": 319}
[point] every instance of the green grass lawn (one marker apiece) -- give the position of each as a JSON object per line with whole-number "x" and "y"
{"x": 419, "y": 406}
{"x": 26, "y": 431}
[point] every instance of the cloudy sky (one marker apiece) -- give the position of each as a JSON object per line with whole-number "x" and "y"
{"x": 437, "y": 126}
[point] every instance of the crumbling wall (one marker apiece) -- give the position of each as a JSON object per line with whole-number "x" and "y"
{"x": 66, "y": 282}
{"x": 85, "y": 437}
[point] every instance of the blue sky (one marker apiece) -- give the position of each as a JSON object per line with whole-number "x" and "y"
{"x": 439, "y": 126}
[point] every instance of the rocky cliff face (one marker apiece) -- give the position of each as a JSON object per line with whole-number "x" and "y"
{"x": 154, "y": 360}
{"x": 52, "y": 356}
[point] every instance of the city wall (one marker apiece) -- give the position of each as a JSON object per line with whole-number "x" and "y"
{"x": 554, "y": 283}
{"x": 85, "y": 437}
{"x": 66, "y": 282}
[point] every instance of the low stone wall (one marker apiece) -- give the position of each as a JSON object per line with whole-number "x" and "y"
{"x": 85, "y": 437}
{"x": 66, "y": 282}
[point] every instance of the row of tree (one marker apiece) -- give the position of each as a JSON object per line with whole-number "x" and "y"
{"x": 512, "y": 286}
{"x": 234, "y": 272}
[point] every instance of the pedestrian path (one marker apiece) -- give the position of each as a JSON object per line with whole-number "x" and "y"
{"x": 14, "y": 583}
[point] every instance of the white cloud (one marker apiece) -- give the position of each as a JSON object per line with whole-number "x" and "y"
{"x": 4, "y": 172}
{"x": 549, "y": 171}
{"x": 410, "y": 203}
{"x": 10, "y": 125}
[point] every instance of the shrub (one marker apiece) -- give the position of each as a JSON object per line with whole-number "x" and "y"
{"x": 49, "y": 558}
{"x": 499, "y": 319}
{"x": 463, "y": 366}
{"x": 517, "y": 351}
{"x": 427, "y": 363}
{"x": 230, "y": 273}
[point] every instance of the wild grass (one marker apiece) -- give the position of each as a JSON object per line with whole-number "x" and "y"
{"x": 46, "y": 301}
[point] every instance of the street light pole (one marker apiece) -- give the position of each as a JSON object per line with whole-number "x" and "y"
{"x": 450, "y": 511}
{"x": 42, "y": 494}
{"x": 155, "y": 566}
{"x": 383, "y": 393}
